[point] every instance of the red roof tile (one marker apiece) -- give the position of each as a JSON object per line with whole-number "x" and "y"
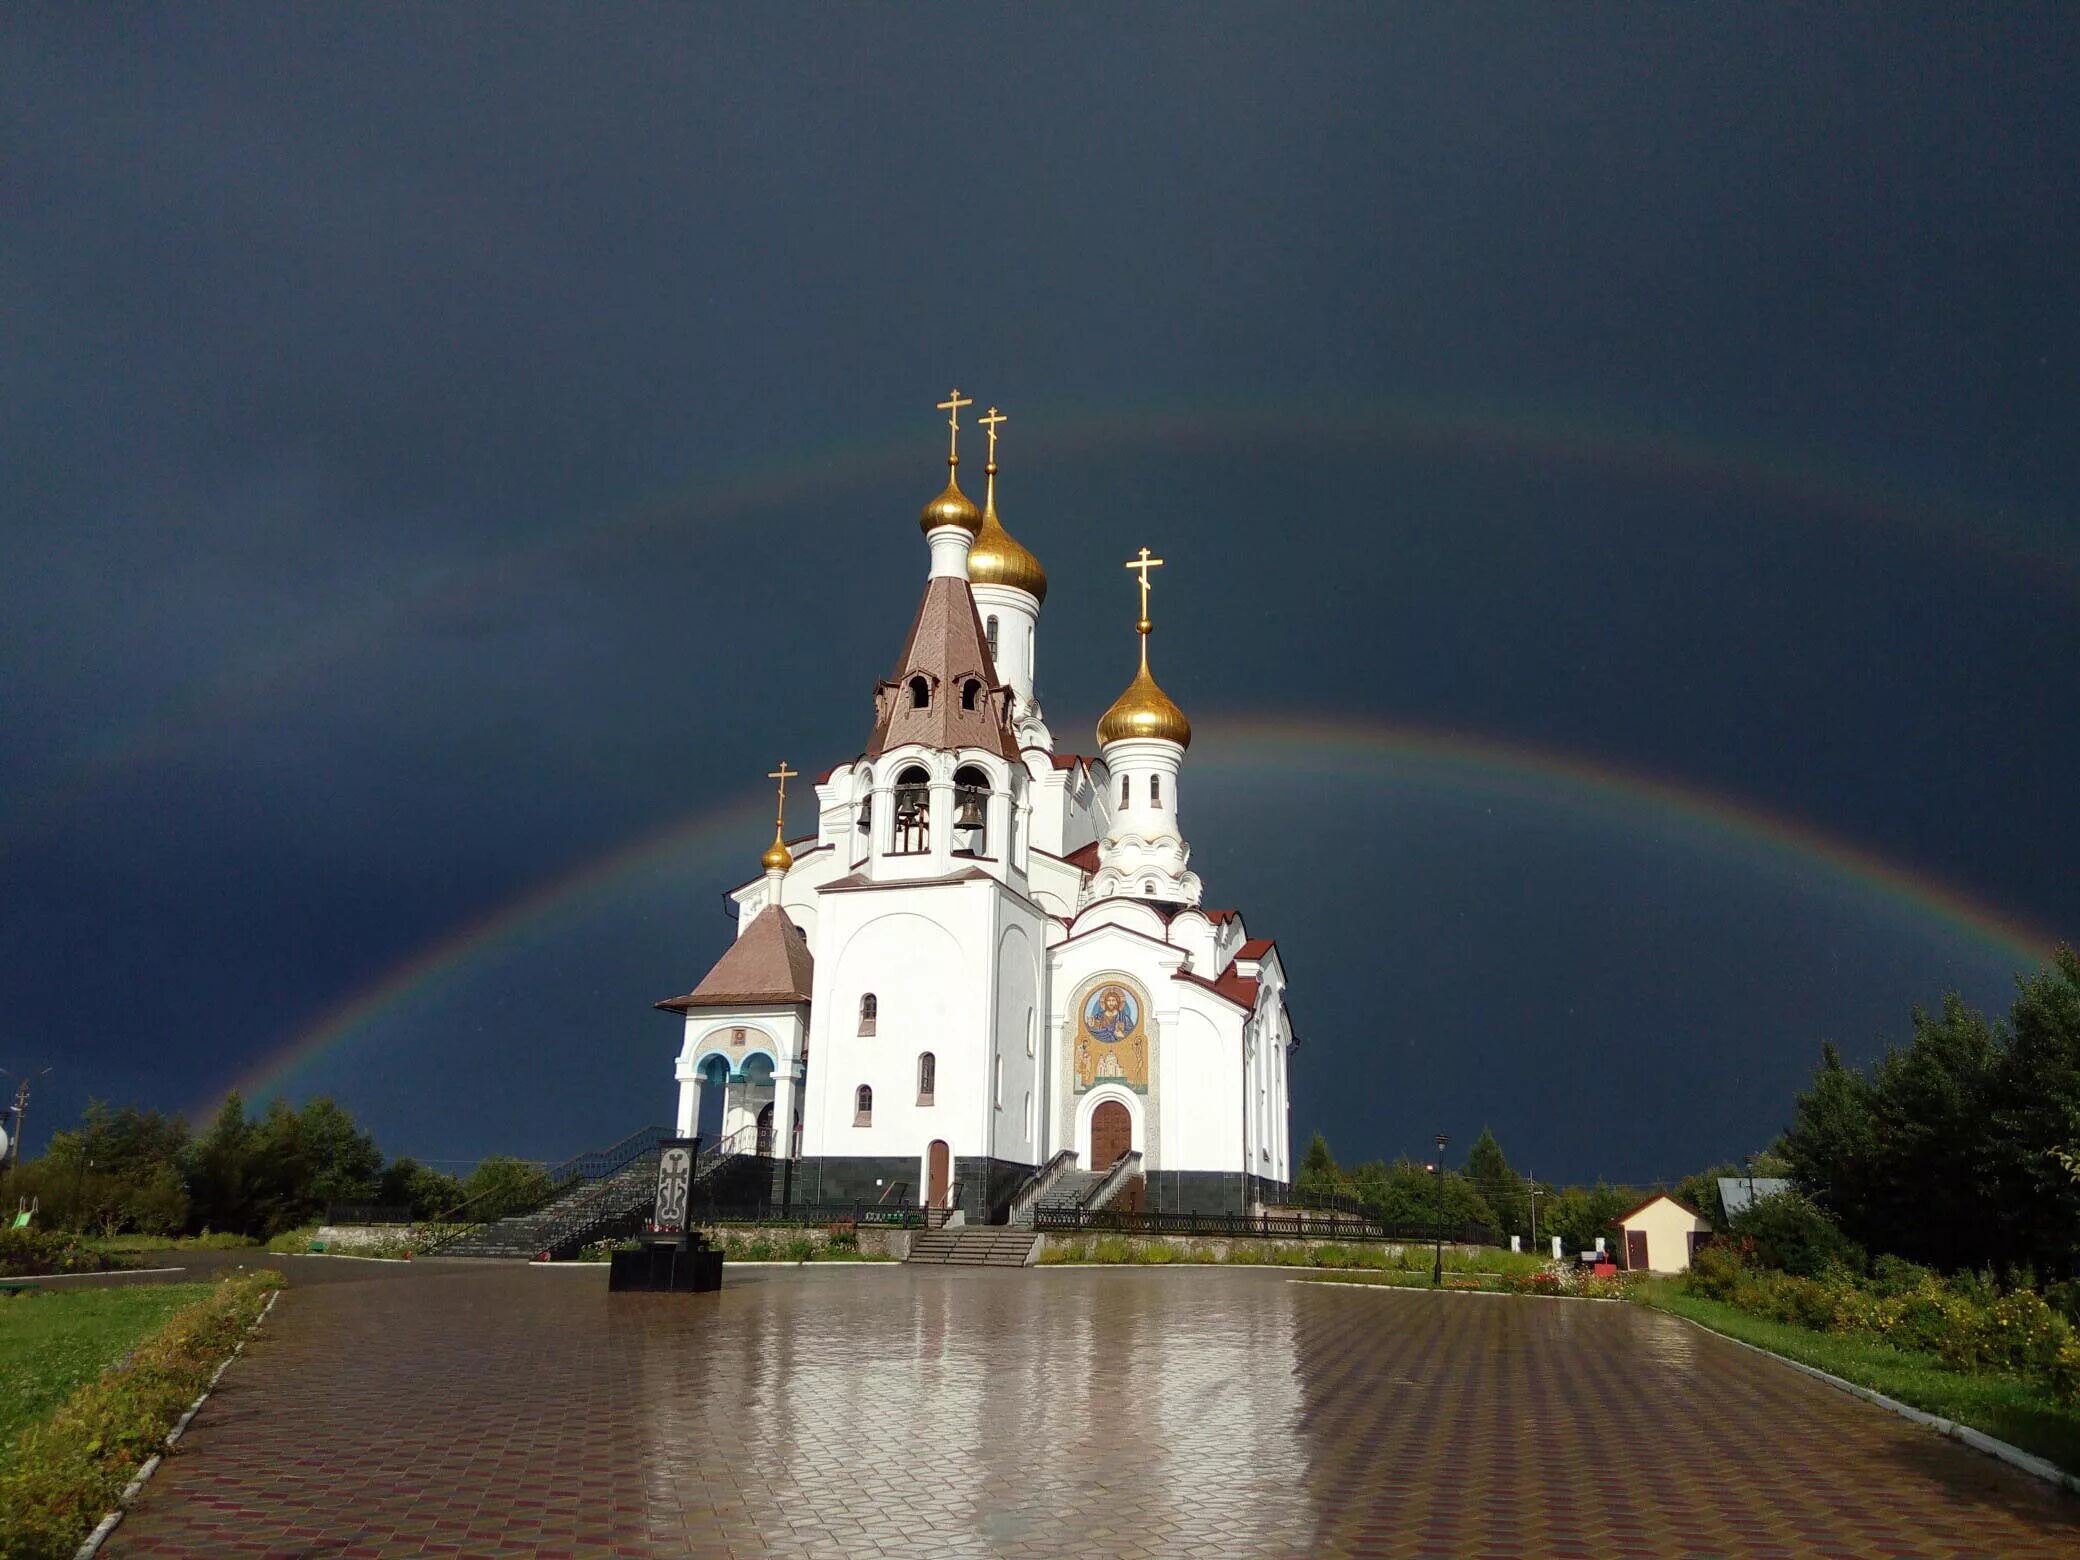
{"x": 1255, "y": 948}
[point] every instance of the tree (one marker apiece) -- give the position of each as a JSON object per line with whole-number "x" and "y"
{"x": 1318, "y": 1175}
{"x": 1500, "y": 1186}
{"x": 405, "y": 1183}
{"x": 506, "y": 1182}
{"x": 220, "y": 1170}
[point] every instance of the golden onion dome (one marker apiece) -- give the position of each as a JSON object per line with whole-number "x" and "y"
{"x": 999, "y": 558}
{"x": 952, "y": 507}
{"x": 1144, "y": 710}
{"x": 778, "y": 858}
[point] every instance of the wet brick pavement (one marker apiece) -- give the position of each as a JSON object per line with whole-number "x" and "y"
{"x": 491, "y": 1409}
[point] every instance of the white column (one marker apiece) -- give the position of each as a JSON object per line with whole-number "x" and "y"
{"x": 784, "y": 1091}
{"x": 689, "y": 1105}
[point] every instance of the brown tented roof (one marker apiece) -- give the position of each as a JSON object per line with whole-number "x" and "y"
{"x": 947, "y": 649}
{"x": 1255, "y": 948}
{"x": 768, "y": 963}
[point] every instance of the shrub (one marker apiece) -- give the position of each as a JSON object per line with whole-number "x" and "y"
{"x": 1791, "y": 1232}
{"x": 23, "y": 1252}
{"x": 1717, "y": 1270}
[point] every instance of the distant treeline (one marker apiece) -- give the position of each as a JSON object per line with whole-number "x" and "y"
{"x": 137, "y": 1171}
{"x": 1959, "y": 1149}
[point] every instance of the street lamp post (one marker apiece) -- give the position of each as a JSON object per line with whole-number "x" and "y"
{"x": 1437, "y": 1270}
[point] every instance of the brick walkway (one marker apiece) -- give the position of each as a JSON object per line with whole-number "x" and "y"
{"x": 494, "y": 1410}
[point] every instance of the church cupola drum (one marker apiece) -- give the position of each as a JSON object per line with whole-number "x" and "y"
{"x": 988, "y": 961}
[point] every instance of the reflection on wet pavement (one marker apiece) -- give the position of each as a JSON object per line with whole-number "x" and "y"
{"x": 498, "y": 1410}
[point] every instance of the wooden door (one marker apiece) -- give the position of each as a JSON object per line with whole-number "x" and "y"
{"x": 765, "y": 1131}
{"x": 938, "y": 1173}
{"x": 1636, "y": 1250}
{"x": 1112, "y": 1135}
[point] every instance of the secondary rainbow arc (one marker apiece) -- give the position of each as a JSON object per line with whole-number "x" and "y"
{"x": 1241, "y": 744}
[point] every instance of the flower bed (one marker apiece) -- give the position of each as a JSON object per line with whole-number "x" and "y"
{"x": 1964, "y": 1322}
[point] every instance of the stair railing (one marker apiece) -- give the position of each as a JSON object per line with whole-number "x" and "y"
{"x": 561, "y": 1181}
{"x": 1123, "y": 1170}
{"x": 1038, "y": 1185}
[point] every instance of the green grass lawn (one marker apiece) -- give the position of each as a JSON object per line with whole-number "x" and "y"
{"x": 53, "y": 1339}
{"x": 2010, "y": 1410}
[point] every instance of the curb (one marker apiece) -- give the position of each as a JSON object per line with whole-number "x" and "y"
{"x": 1977, "y": 1440}
{"x": 135, "y": 1487}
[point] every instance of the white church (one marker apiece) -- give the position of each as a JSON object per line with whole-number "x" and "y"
{"x": 990, "y": 971}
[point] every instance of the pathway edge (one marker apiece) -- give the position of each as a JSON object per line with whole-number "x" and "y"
{"x": 135, "y": 1487}
{"x": 1978, "y": 1440}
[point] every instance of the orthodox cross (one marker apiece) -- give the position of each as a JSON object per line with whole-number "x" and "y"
{"x": 783, "y": 774}
{"x": 990, "y": 422}
{"x": 1141, "y": 566}
{"x": 952, "y": 408}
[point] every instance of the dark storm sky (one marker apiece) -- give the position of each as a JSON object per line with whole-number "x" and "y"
{"x": 444, "y": 446}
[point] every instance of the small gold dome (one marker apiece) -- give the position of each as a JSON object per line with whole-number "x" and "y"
{"x": 952, "y": 507}
{"x": 999, "y": 558}
{"x": 1144, "y": 710}
{"x": 778, "y": 858}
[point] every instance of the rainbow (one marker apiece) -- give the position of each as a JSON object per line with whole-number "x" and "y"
{"x": 905, "y": 458}
{"x": 1242, "y": 746}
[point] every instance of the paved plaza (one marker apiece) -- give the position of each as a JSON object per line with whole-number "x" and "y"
{"x": 493, "y": 1409}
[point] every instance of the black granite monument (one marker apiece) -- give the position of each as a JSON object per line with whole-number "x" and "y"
{"x": 670, "y": 1256}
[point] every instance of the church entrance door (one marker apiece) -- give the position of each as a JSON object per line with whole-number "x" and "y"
{"x": 765, "y": 1131}
{"x": 938, "y": 1173}
{"x": 1112, "y": 1135}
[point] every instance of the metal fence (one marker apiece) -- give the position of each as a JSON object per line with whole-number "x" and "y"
{"x": 1329, "y": 1226}
{"x": 367, "y": 1213}
{"x": 872, "y": 1215}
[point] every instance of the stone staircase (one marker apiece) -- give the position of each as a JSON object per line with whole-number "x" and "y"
{"x": 1072, "y": 1189}
{"x": 974, "y": 1246}
{"x": 596, "y": 1208}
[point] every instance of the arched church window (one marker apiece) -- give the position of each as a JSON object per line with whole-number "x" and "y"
{"x": 989, "y": 632}
{"x": 1155, "y": 790}
{"x": 927, "y": 1077}
{"x": 869, "y": 1013}
{"x": 913, "y": 833}
{"x": 920, "y": 693}
{"x": 971, "y": 691}
{"x": 1125, "y": 789}
{"x": 1029, "y": 1031}
{"x": 1148, "y": 887}
{"x": 866, "y": 801}
{"x": 996, "y": 1083}
{"x": 863, "y": 1106}
{"x": 970, "y": 811}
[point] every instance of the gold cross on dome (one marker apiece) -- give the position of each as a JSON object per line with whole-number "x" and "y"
{"x": 783, "y": 774}
{"x": 990, "y": 422}
{"x": 1141, "y": 566}
{"x": 952, "y": 408}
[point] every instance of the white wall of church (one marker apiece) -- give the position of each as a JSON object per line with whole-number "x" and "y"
{"x": 1019, "y": 1018}
{"x": 929, "y": 991}
{"x": 1202, "y": 1091}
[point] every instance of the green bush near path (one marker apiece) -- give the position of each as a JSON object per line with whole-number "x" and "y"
{"x": 30, "y": 1252}
{"x": 2021, "y": 1412}
{"x": 64, "y": 1474}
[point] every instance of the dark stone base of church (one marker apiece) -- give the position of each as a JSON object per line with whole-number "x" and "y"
{"x": 986, "y": 1185}
{"x": 1208, "y": 1191}
{"x": 832, "y": 1180}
